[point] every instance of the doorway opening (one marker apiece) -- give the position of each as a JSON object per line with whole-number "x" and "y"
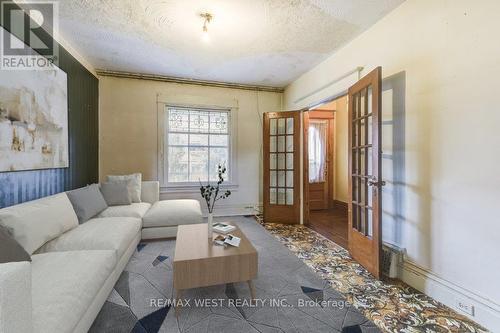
{"x": 326, "y": 158}
{"x": 287, "y": 197}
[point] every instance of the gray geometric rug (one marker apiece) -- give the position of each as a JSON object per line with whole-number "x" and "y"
{"x": 290, "y": 296}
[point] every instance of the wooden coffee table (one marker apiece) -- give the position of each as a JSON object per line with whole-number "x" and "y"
{"x": 198, "y": 262}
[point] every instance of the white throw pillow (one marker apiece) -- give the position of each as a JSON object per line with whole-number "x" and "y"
{"x": 135, "y": 184}
{"x": 36, "y": 222}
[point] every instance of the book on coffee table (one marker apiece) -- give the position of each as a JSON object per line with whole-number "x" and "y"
{"x": 232, "y": 240}
{"x": 223, "y": 228}
{"x": 227, "y": 240}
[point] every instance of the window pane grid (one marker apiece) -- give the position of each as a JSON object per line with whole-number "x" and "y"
{"x": 197, "y": 141}
{"x": 281, "y": 148}
{"x": 362, "y": 150}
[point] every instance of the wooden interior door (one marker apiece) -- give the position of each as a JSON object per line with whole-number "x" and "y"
{"x": 320, "y": 190}
{"x": 365, "y": 232}
{"x": 318, "y": 195}
{"x": 281, "y": 167}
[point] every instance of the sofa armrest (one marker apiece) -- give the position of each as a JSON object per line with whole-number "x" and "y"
{"x": 150, "y": 191}
{"x": 15, "y": 297}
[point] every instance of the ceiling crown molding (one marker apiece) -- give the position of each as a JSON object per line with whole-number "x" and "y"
{"x": 171, "y": 79}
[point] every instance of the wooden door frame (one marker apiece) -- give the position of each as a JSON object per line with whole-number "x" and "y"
{"x": 307, "y": 115}
{"x": 305, "y": 167}
{"x": 296, "y": 168}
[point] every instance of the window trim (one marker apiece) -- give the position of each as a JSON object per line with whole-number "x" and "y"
{"x": 166, "y": 186}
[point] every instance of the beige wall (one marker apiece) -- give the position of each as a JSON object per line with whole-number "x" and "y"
{"x": 129, "y": 136}
{"x": 441, "y": 144}
{"x": 341, "y": 151}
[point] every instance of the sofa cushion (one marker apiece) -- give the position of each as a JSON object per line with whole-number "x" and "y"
{"x": 64, "y": 285}
{"x": 10, "y": 249}
{"x": 113, "y": 233}
{"x": 87, "y": 202}
{"x": 117, "y": 193}
{"x": 135, "y": 189}
{"x": 15, "y": 297}
{"x": 137, "y": 210}
{"x": 36, "y": 222}
{"x": 173, "y": 212}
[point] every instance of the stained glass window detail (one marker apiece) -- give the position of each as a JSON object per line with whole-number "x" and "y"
{"x": 197, "y": 142}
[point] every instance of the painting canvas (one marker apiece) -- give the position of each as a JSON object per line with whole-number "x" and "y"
{"x": 33, "y": 120}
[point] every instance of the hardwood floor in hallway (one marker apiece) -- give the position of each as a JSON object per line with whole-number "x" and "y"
{"x": 331, "y": 223}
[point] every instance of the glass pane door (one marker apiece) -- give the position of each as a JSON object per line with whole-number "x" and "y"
{"x": 281, "y": 167}
{"x": 281, "y": 140}
{"x": 364, "y": 234}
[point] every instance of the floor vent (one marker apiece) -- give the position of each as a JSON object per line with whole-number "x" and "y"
{"x": 392, "y": 259}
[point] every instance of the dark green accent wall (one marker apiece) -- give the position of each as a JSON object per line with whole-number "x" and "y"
{"x": 83, "y": 118}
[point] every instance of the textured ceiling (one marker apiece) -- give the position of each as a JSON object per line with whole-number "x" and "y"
{"x": 260, "y": 42}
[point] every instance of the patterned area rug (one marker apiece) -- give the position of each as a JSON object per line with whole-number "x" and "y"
{"x": 393, "y": 307}
{"x": 290, "y": 296}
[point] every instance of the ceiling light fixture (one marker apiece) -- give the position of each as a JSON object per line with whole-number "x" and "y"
{"x": 207, "y": 18}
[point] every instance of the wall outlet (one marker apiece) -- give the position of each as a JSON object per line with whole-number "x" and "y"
{"x": 464, "y": 306}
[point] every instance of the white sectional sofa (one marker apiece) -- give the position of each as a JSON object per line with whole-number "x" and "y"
{"x": 75, "y": 266}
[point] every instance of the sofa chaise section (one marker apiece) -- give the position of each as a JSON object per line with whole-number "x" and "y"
{"x": 160, "y": 218}
{"x": 163, "y": 218}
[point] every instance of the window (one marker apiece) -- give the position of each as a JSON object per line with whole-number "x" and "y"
{"x": 317, "y": 150}
{"x": 197, "y": 140}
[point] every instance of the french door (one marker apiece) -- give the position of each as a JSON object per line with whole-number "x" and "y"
{"x": 281, "y": 167}
{"x": 365, "y": 232}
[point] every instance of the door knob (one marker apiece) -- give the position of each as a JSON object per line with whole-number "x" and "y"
{"x": 374, "y": 182}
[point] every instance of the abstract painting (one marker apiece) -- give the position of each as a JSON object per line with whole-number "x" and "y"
{"x": 33, "y": 120}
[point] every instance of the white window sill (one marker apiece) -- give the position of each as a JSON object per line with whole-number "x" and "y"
{"x": 193, "y": 188}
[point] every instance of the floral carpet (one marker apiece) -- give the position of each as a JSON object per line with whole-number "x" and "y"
{"x": 392, "y": 306}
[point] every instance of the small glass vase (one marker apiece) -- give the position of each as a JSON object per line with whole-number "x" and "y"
{"x": 210, "y": 225}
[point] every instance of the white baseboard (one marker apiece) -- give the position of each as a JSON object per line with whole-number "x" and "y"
{"x": 486, "y": 312}
{"x": 231, "y": 209}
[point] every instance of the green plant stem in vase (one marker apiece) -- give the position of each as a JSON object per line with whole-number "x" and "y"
{"x": 211, "y": 194}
